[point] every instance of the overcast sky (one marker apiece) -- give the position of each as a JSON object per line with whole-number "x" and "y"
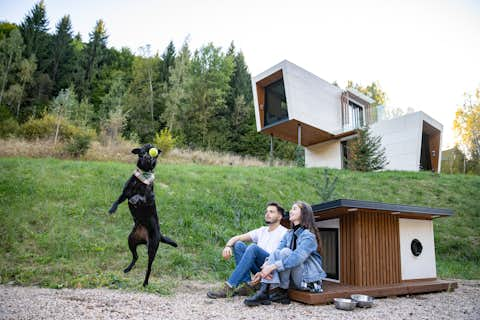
{"x": 425, "y": 54}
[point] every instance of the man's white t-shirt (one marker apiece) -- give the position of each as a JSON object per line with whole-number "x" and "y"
{"x": 268, "y": 240}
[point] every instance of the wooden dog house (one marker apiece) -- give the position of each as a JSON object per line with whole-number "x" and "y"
{"x": 378, "y": 249}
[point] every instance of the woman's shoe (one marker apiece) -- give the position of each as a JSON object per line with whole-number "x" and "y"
{"x": 260, "y": 297}
{"x": 279, "y": 295}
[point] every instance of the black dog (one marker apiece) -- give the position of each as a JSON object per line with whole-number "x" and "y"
{"x": 141, "y": 202}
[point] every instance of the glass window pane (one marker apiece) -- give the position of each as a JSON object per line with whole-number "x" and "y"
{"x": 275, "y": 103}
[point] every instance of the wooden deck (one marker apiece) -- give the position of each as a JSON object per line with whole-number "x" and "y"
{"x": 334, "y": 290}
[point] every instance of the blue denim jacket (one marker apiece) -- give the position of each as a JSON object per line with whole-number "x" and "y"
{"x": 305, "y": 252}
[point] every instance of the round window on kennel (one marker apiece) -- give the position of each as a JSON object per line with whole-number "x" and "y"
{"x": 416, "y": 247}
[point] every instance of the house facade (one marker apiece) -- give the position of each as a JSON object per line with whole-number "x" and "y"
{"x": 295, "y": 105}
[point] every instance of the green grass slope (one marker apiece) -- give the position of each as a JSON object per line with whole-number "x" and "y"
{"x": 55, "y": 230}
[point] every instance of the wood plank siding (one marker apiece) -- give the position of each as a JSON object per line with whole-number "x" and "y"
{"x": 369, "y": 249}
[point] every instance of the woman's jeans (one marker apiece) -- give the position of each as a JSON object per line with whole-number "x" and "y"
{"x": 247, "y": 259}
{"x": 283, "y": 278}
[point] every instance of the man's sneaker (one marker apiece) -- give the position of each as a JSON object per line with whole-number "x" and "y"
{"x": 245, "y": 290}
{"x": 279, "y": 295}
{"x": 224, "y": 292}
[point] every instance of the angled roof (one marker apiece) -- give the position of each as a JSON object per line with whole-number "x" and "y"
{"x": 402, "y": 210}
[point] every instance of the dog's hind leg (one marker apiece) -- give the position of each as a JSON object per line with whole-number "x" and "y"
{"x": 153, "y": 243}
{"x": 136, "y": 237}
{"x": 169, "y": 241}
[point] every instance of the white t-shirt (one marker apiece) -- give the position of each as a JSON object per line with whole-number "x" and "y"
{"x": 267, "y": 240}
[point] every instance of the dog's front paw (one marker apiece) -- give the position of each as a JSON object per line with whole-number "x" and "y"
{"x": 112, "y": 209}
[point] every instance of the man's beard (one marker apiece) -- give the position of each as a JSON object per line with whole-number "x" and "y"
{"x": 270, "y": 222}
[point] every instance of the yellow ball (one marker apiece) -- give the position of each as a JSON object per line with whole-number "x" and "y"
{"x": 153, "y": 152}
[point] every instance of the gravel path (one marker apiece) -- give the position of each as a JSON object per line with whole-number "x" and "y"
{"x": 190, "y": 302}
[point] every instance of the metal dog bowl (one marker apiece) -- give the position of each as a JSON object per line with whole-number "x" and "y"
{"x": 345, "y": 304}
{"x": 363, "y": 301}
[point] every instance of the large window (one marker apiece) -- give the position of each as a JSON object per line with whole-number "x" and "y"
{"x": 355, "y": 114}
{"x": 275, "y": 103}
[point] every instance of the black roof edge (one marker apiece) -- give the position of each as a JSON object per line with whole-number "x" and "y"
{"x": 380, "y": 206}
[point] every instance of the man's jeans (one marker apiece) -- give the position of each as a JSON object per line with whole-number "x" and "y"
{"x": 247, "y": 259}
{"x": 282, "y": 278}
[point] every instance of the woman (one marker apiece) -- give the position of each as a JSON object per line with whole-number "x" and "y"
{"x": 296, "y": 263}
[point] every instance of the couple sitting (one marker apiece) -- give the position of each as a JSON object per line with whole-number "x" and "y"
{"x": 279, "y": 258}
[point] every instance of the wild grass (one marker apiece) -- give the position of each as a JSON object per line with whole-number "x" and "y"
{"x": 55, "y": 230}
{"x": 120, "y": 151}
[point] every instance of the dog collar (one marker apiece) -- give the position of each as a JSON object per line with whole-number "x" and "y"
{"x": 145, "y": 176}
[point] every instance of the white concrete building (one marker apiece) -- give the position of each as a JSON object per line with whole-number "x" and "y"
{"x": 295, "y": 105}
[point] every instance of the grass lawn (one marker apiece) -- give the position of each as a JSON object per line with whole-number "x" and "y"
{"x": 55, "y": 230}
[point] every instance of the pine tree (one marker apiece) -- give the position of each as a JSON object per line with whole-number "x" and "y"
{"x": 94, "y": 54}
{"x": 366, "y": 152}
{"x": 177, "y": 97}
{"x": 34, "y": 30}
{"x": 168, "y": 62}
{"x": 62, "y": 54}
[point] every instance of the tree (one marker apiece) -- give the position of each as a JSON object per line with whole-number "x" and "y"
{"x": 168, "y": 62}
{"x": 62, "y": 54}
{"x": 114, "y": 99}
{"x": 62, "y": 106}
{"x": 142, "y": 98}
{"x": 453, "y": 160}
{"x": 94, "y": 53}
{"x": 34, "y": 30}
{"x": 372, "y": 91}
{"x": 27, "y": 68}
{"x": 177, "y": 95}
{"x": 366, "y": 152}
{"x": 467, "y": 125}
{"x": 11, "y": 49}
{"x": 205, "y": 123}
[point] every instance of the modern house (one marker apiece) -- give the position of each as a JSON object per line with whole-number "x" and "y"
{"x": 375, "y": 248}
{"x": 295, "y": 105}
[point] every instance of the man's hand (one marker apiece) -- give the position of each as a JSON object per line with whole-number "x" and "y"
{"x": 227, "y": 252}
{"x": 256, "y": 278}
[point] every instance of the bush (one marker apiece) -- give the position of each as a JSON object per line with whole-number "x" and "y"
{"x": 45, "y": 128}
{"x": 164, "y": 141}
{"x": 79, "y": 143}
{"x": 8, "y": 127}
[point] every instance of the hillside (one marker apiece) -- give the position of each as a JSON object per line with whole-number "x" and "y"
{"x": 55, "y": 230}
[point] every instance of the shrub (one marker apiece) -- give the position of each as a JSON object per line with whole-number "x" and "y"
{"x": 79, "y": 143}
{"x": 8, "y": 127}
{"x": 366, "y": 152}
{"x": 45, "y": 128}
{"x": 164, "y": 141}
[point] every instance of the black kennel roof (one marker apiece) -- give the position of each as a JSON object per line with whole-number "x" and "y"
{"x": 381, "y": 206}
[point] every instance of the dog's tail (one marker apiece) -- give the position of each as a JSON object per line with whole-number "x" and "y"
{"x": 169, "y": 241}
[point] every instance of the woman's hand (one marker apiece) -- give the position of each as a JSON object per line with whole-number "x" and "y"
{"x": 227, "y": 252}
{"x": 267, "y": 270}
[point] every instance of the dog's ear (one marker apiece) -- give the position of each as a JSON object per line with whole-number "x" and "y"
{"x": 136, "y": 150}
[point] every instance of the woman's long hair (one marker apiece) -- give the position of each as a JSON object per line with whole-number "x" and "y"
{"x": 308, "y": 222}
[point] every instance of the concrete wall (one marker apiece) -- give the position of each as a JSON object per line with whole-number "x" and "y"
{"x": 327, "y": 154}
{"x": 310, "y": 99}
{"x": 402, "y": 139}
{"x": 423, "y": 266}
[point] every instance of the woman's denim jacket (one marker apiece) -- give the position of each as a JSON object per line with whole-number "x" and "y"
{"x": 305, "y": 252}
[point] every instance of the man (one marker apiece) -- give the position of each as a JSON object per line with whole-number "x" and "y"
{"x": 251, "y": 258}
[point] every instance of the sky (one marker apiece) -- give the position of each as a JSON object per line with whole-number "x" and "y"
{"x": 425, "y": 54}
